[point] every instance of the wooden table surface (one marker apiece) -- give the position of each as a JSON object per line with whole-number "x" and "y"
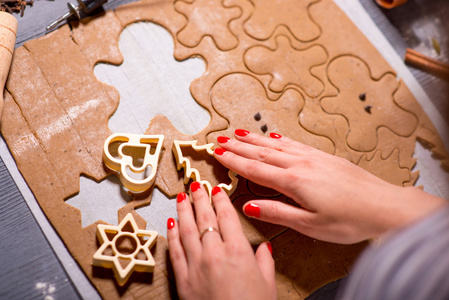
{"x": 29, "y": 268}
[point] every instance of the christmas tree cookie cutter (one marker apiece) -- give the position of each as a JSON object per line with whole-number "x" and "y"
{"x": 125, "y": 248}
{"x": 194, "y": 174}
{"x": 126, "y": 164}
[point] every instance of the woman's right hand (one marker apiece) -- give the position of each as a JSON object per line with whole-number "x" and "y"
{"x": 339, "y": 201}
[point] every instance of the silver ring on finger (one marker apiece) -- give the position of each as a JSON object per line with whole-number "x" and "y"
{"x": 209, "y": 229}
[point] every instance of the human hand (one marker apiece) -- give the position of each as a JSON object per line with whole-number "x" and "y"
{"x": 218, "y": 263}
{"x": 339, "y": 201}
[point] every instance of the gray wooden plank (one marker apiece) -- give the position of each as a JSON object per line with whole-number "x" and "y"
{"x": 29, "y": 269}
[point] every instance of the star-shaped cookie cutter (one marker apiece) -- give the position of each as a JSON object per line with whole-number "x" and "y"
{"x": 122, "y": 244}
{"x": 194, "y": 174}
{"x": 123, "y": 162}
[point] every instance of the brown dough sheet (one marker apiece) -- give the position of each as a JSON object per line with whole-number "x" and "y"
{"x": 259, "y": 60}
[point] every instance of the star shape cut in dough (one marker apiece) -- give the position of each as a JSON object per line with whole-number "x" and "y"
{"x": 125, "y": 248}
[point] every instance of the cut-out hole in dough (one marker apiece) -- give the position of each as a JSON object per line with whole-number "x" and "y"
{"x": 113, "y": 148}
{"x": 108, "y": 195}
{"x": 431, "y": 175}
{"x": 141, "y": 255}
{"x": 126, "y": 244}
{"x": 139, "y": 176}
{"x": 137, "y": 154}
{"x": 108, "y": 251}
{"x": 157, "y": 213}
{"x": 151, "y": 82}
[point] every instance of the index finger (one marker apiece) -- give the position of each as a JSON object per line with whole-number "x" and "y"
{"x": 254, "y": 170}
{"x": 275, "y": 141}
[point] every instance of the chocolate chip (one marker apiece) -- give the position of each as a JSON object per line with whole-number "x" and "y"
{"x": 362, "y": 96}
{"x": 264, "y": 128}
{"x": 257, "y": 117}
{"x": 368, "y": 108}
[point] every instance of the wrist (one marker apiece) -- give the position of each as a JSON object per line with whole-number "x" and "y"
{"x": 421, "y": 203}
{"x": 409, "y": 205}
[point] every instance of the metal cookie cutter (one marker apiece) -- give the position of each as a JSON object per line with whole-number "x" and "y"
{"x": 126, "y": 244}
{"x": 194, "y": 174}
{"x": 134, "y": 156}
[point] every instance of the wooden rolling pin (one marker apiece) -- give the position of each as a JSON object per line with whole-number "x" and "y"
{"x": 8, "y": 32}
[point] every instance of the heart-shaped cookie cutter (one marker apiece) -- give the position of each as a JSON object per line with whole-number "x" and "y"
{"x": 122, "y": 162}
{"x": 194, "y": 174}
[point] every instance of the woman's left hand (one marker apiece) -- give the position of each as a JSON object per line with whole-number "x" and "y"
{"x": 211, "y": 257}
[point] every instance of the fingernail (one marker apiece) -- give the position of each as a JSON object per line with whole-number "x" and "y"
{"x": 181, "y": 197}
{"x": 222, "y": 139}
{"x": 252, "y": 210}
{"x": 216, "y": 190}
{"x": 275, "y": 135}
{"x": 170, "y": 223}
{"x": 195, "y": 186}
{"x": 219, "y": 151}
{"x": 241, "y": 132}
{"x": 270, "y": 247}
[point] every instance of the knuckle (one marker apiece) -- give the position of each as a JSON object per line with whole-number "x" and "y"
{"x": 212, "y": 259}
{"x": 307, "y": 148}
{"x": 272, "y": 211}
{"x": 204, "y": 218}
{"x": 188, "y": 231}
{"x": 263, "y": 152}
{"x": 293, "y": 178}
{"x": 224, "y": 214}
{"x": 307, "y": 163}
{"x": 235, "y": 248}
{"x": 176, "y": 255}
{"x": 281, "y": 146}
{"x": 307, "y": 223}
{"x": 252, "y": 169}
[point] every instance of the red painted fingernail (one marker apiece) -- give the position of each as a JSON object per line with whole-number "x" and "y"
{"x": 216, "y": 190}
{"x": 219, "y": 151}
{"x": 241, "y": 132}
{"x": 252, "y": 210}
{"x": 170, "y": 223}
{"x": 275, "y": 135}
{"x": 181, "y": 197}
{"x": 270, "y": 248}
{"x": 195, "y": 186}
{"x": 223, "y": 139}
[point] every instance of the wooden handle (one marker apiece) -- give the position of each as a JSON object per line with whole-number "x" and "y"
{"x": 427, "y": 64}
{"x": 8, "y": 32}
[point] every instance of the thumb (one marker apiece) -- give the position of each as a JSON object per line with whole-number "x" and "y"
{"x": 265, "y": 261}
{"x": 277, "y": 213}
